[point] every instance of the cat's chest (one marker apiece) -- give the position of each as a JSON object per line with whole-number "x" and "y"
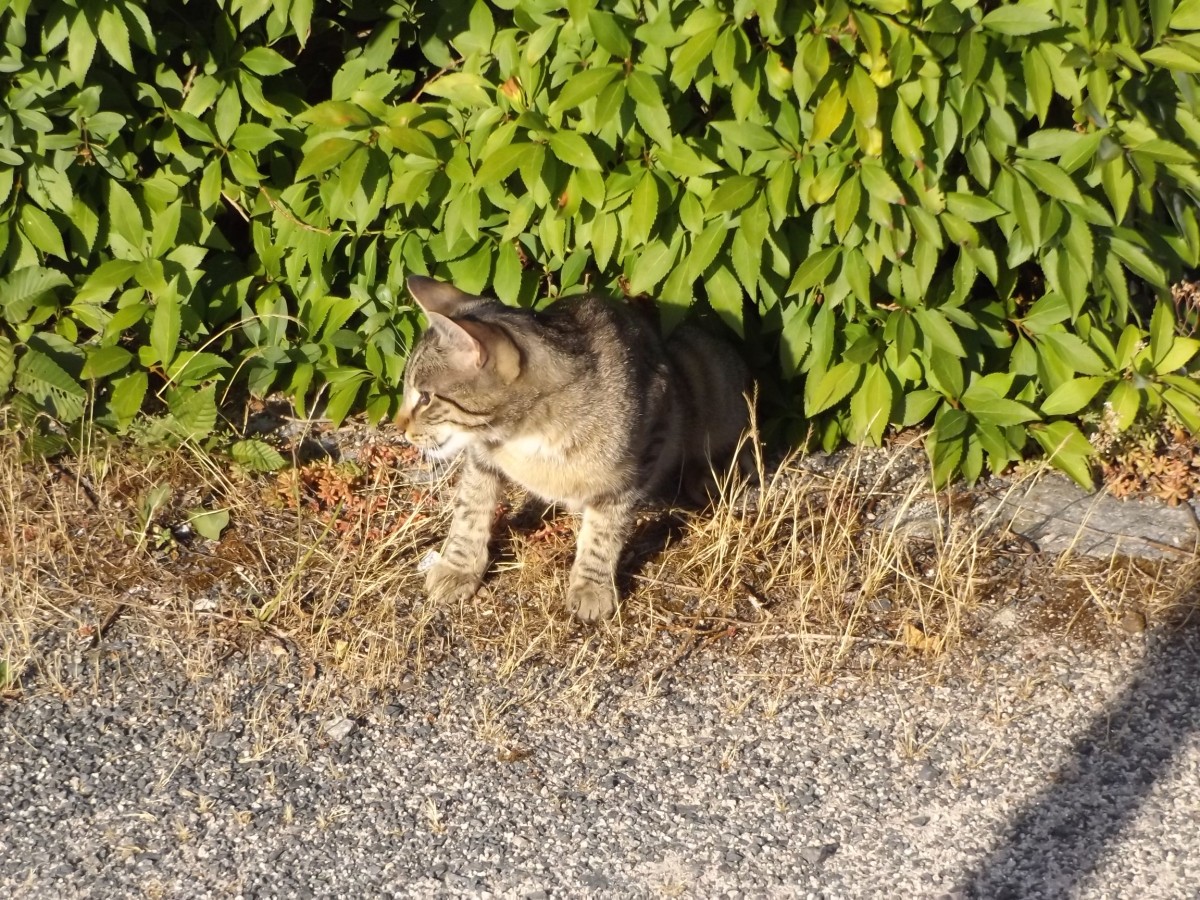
{"x": 548, "y": 468}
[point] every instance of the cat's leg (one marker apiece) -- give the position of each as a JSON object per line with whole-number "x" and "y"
{"x": 457, "y": 575}
{"x": 592, "y": 592}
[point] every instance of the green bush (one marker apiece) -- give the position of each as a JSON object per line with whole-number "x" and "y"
{"x": 957, "y": 212}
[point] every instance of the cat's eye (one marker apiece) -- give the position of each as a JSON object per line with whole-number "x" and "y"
{"x": 423, "y": 399}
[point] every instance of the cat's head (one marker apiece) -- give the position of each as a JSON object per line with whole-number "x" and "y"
{"x": 458, "y": 373}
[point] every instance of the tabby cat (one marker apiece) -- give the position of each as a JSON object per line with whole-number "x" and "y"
{"x": 582, "y": 403}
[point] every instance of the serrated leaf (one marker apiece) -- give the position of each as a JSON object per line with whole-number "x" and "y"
{"x": 128, "y": 392}
{"x": 258, "y": 456}
{"x": 1125, "y": 401}
{"x": 164, "y": 328}
{"x": 831, "y": 387}
{"x": 1019, "y": 18}
{"x": 1172, "y": 58}
{"x": 583, "y": 86}
{"x": 81, "y": 47}
{"x": 572, "y": 149}
{"x": 193, "y": 367}
{"x": 193, "y": 411}
{"x": 734, "y": 193}
{"x": 938, "y": 331}
{"x": 125, "y": 217}
{"x": 643, "y": 210}
{"x": 971, "y": 207}
{"x": 906, "y": 133}
{"x": 44, "y": 380}
{"x": 7, "y": 365}
{"x": 41, "y": 231}
{"x": 814, "y": 270}
{"x": 23, "y": 288}
{"x": 878, "y": 183}
{"x": 652, "y": 266}
{"x": 870, "y": 406}
{"x": 104, "y": 361}
{"x": 1051, "y": 180}
{"x": 501, "y": 163}
{"x": 325, "y": 155}
{"x": 114, "y": 35}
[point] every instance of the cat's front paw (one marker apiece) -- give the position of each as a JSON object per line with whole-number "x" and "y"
{"x": 446, "y": 584}
{"x": 590, "y": 601}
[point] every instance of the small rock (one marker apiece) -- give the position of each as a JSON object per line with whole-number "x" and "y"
{"x": 817, "y": 855}
{"x": 1133, "y": 622}
{"x": 338, "y": 728}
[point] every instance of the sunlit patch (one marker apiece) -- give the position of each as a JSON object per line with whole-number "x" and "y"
{"x": 448, "y": 448}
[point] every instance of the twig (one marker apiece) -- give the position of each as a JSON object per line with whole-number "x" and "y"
{"x": 434, "y": 77}
{"x": 290, "y": 216}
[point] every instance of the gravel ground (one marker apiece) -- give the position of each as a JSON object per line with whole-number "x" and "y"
{"x": 1031, "y": 767}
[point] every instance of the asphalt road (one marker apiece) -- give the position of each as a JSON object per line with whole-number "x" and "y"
{"x": 1034, "y": 767}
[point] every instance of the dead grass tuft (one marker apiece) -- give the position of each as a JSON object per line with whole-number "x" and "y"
{"x": 799, "y": 567}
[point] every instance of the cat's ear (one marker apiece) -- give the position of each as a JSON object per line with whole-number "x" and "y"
{"x": 435, "y": 296}
{"x": 460, "y": 340}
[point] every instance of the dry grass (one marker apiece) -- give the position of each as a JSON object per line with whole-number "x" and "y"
{"x": 795, "y": 573}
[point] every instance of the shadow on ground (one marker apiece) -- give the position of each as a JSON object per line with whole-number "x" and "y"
{"x": 1064, "y": 833}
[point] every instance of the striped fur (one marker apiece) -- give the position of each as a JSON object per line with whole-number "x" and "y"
{"x": 582, "y": 403}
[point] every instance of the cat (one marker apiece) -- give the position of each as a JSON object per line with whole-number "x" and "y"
{"x": 582, "y": 403}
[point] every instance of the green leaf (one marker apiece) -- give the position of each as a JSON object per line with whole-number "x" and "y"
{"x": 609, "y": 34}
{"x": 814, "y": 270}
{"x": 878, "y": 183}
{"x": 124, "y": 216}
{"x": 1072, "y": 396}
{"x": 501, "y": 163}
{"x": 125, "y": 402}
{"x": 7, "y": 365}
{"x": 264, "y": 61}
{"x": 972, "y": 208}
{"x": 643, "y": 211}
{"x": 257, "y": 456}
{"x": 21, "y": 290}
{"x": 190, "y": 367}
{"x": 104, "y": 361}
{"x": 906, "y": 134}
{"x": 193, "y": 411}
{"x": 1162, "y": 331}
{"x": 164, "y": 328}
{"x": 209, "y": 523}
{"x": 41, "y": 231}
{"x": 1020, "y": 18}
{"x": 1125, "y": 401}
{"x": 1172, "y": 58}
{"x": 870, "y": 406}
{"x": 583, "y": 86}
{"x": 114, "y": 35}
{"x": 652, "y": 266}
{"x": 938, "y": 331}
{"x": 44, "y": 380}
{"x": 1067, "y": 449}
{"x": 81, "y": 47}
{"x": 1186, "y": 16}
{"x": 1051, "y": 180}
{"x": 325, "y": 155}
{"x": 734, "y": 193}
{"x": 572, "y": 149}
{"x": 825, "y": 389}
